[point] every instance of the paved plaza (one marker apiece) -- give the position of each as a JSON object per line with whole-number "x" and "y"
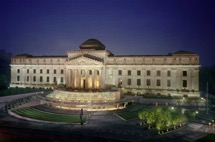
{"x": 105, "y": 126}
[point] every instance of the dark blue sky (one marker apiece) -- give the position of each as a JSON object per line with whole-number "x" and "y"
{"x": 134, "y": 27}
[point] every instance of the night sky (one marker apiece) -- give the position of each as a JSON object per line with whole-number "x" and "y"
{"x": 125, "y": 27}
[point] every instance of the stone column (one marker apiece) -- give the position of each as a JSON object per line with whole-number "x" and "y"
{"x": 86, "y": 78}
{"x": 100, "y": 79}
{"x": 66, "y": 78}
{"x": 72, "y": 78}
{"x": 93, "y": 75}
{"x": 79, "y": 79}
{"x": 76, "y": 78}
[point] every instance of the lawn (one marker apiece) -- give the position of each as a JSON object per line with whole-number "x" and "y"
{"x": 129, "y": 115}
{"x": 47, "y": 116}
{"x": 132, "y": 111}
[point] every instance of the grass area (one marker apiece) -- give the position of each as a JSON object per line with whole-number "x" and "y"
{"x": 47, "y": 116}
{"x": 129, "y": 115}
{"x": 208, "y": 138}
{"x": 132, "y": 111}
{"x": 15, "y": 91}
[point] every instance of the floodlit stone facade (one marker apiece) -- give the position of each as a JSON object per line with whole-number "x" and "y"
{"x": 92, "y": 67}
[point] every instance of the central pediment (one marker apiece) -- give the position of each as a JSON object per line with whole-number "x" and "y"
{"x": 83, "y": 60}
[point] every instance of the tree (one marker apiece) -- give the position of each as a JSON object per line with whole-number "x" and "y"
{"x": 142, "y": 116}
{"x": 3, "y": 82}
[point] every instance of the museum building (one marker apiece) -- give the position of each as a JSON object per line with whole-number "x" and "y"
{"x": 93, "y": 67}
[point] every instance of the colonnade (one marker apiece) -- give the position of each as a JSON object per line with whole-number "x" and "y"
{"x": 83, "y": 79}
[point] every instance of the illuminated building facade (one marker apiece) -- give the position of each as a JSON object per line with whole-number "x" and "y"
{"x": 92, "y": 67}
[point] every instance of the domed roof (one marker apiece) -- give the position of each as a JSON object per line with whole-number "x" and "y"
{"x": 92, "y": 44}
{"x": 183, "y": 52}
{"x": 22, "y": 56}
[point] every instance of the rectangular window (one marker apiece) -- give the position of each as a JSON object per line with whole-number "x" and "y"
{"x": 90, "y": 72}
{"x": 54, "y": 80}
{"x": 129, "y": 72}
{"x": 55, "y": 71}
{"x": 61, "y": 79}
{"x": 18, "y": 70}
{"x": 27, "y": 70}
{"x": 158, "y": 73}
{"x": 119, "y": 72}
{"x": 41, "y": 79}
{"x": 184, "y": 83}
{"x": 138, "y": 82}
{"x": 34, "y": 78}
{"x": 168, "y": 83}
{"x": 148, "y": 82}
{"x": 148, "y": 73}
{"x": 129, "y": 82}
{"x": 168, "y": 73}
{"x": 18, "y": 78}
{"x": 61, "y": 71}
{"x": 27, "y": 78}
{"x": 47, "y": 71}
{"x": 184, "y": 73}
{"x": 41, "y": 71}
{"x": 138, "y": 72}
{"x": 158, "y": 82}
{"x": 47, "y": 79}
{"x": 97, "y": 72}
{"x": 34, "y": 70}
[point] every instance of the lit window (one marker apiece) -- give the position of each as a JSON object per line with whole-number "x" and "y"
{"x": 90, "y": 72}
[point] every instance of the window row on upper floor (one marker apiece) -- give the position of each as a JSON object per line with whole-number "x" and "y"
{"x": 148, "y": 82}
{"x": 41, "y": 79}
{"x": 41, "y": 71}
{"x": 149, "y": 73}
